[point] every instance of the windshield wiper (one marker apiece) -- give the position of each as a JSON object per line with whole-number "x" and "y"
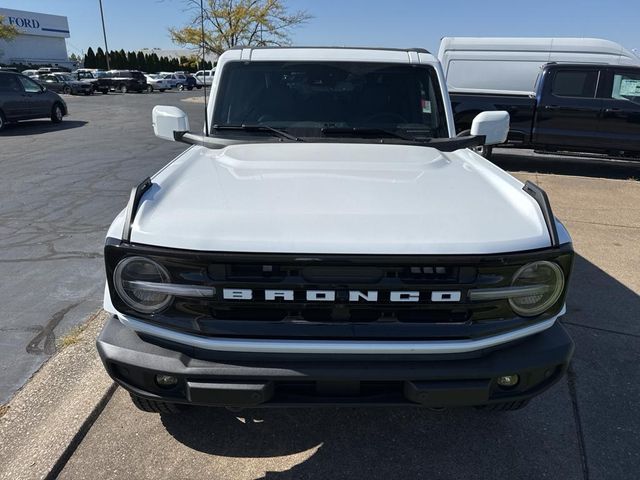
{"x": 355, "y": 131}
{"x": 258, "y": 128}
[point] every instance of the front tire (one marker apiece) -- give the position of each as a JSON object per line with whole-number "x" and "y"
{"x": 123, "y": 88}
{"x": 3, "y": 122}
{"x": 57, "y": 114}
{"x": 180, "y": 87}
{"x": 154, "y": 406}
{"x": 150, "y": 89}
{"x": 66, "y": 90}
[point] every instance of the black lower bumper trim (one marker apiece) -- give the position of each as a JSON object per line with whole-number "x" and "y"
{"x": 539, "y": 360}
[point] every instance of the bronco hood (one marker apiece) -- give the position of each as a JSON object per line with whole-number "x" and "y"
{"x": 337, "y": 198}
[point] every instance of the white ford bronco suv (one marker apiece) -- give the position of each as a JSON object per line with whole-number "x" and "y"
{"x": 330, "y": 240}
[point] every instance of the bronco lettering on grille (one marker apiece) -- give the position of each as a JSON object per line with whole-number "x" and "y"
{"x": 354, "y": 296}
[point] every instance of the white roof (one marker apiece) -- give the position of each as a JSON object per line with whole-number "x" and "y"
{"x": 352, "y": 54}
{"x": 545, "y": 44}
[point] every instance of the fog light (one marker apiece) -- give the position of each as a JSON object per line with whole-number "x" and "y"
{"x": 508, "y": 380}
{"x": 166, "y": 381}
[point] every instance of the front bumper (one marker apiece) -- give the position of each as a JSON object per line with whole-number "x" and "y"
{"x": 295, "y": 379}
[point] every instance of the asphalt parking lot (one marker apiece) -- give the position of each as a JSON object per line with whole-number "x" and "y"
{"x": 61, "y": 187}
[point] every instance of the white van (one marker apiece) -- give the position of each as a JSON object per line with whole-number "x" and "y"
{"x": 511, "y": 65}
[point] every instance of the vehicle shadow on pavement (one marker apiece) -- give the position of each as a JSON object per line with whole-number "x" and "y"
{"x": 375, "y": 442}
{"x": 583, "y": 166}
{"x": 561, "y": 434}
{"x": 34, "y": 127}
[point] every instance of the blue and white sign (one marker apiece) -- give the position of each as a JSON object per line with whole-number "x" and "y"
{"x": 32, "y": 23}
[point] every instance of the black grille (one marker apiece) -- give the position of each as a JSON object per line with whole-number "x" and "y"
{"x": 342, "y": 316}
{"x": 337, "y": 274}
{"x": 298, "y": 278}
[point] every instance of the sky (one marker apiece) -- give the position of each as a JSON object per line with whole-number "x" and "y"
{"x": 135, "y": 24}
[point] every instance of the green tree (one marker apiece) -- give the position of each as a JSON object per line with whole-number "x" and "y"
{"x": 141, "y": 61}
{"x": 122, "y": 59}
{"x": 151, "y": 64}
{"x": 238, "y": 22}
{"x": 154, "y": 63}
{"x": 114, "y": 59}
{"x": 101, "y": 59}
{"x": 90, "y": 59}
{"x": 132, "y": 61}
{"x": 118, "y": 59}
{"x": 75, "y": 59}
{"x": 7, "y": 32}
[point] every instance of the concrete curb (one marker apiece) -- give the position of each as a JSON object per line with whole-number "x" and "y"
{"x": 50, "y": 415}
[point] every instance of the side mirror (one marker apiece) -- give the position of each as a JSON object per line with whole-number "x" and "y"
{"x": 167, "y": 121}
{"x": 493, "y": 125}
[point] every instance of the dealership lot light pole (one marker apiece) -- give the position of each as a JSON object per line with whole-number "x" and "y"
{"x": 104, "y": 33}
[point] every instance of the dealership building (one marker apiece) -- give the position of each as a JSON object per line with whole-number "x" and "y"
{"x": 41, "y": 40}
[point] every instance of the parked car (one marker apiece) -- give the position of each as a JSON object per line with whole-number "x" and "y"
{"x": 576, "y": 108}
{"x": 95, "y": 78}
{"x": 204, "y": 77}
{"x": 125, "y": 81}
{"x": 43, "y": 70}
{"x": 179, "y": 81}
{"x": 513, "y": 64}
{"x": 157, "y": 82}
{"x": 65, "y": 83}
{"x": 22, "y": 98}
{"x": 30, "y": 72}
{"x": 331, "y": 240}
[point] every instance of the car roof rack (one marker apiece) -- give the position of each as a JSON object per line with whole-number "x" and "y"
{"x": 418, "y": 50}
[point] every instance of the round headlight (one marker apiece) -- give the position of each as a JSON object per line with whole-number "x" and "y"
{"x": 133, "y": 278}
{"x": 549, "y": 280}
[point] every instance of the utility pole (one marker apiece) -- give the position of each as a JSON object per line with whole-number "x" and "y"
{"x": 104, "y": 33}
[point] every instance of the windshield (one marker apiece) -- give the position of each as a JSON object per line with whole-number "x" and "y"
{"x": 316, "y": 98}
{"x": 64, "y": 78}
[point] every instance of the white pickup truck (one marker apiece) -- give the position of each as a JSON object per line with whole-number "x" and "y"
{"x": 329, "y": 240}
{"x": 204, "y": 78}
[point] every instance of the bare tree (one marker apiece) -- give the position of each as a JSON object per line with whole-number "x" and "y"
{"x": 238, "y": 22}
